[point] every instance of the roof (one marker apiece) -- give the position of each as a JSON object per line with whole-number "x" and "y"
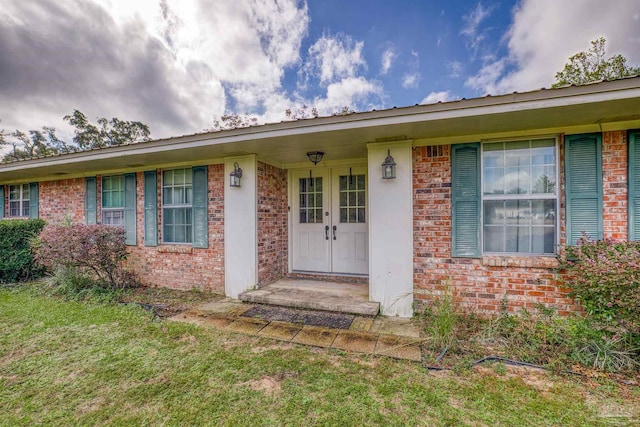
{"x": 588, "y": 108}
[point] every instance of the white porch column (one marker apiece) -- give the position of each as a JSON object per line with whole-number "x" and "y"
{"x": 241, "y": 227}
{"x": 391, "y": 230}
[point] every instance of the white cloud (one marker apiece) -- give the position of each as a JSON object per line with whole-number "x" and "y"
{"x": 545, "y": 33}
{"x": 472, "y": 24}
{"x": 332, "y": 58}
{"x": 171, "y": 65}
{"x": 387, "y": 60}
{"x": 410, "y": 80}
{"x": 435, "y": 97}
{"x": 349, "y": 92}
{"x": 455, "y": 69}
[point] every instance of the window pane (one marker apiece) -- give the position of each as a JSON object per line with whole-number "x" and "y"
{"x": 343, "y": 198}
{"x": 303, "y": 216}
{"x": 352, "y": 199}
{"x": 343, "y": 182}
{"x": 303, "y": 185}
{"x": 361, "y": 199}
{"x": 517, "y": 239}
{"x": 493, "y": 181}
{"x": 343, "y": 214}
{"x": 25, "y": 191}
{"x": 303, "y": 200}
{"x": 361, "y": 215}
{"x": 319, "y": 200}
{"x": 25, "y": 208}
{"x": 318, "y": 184}
{"x": 361, "y": 184}
{"x": 516, "y": 180}
{"x": 318, "y": 216}
{"x": 493, "y": 239}
{"x": 544, "y": 179}
{"x": 494, "y": 212}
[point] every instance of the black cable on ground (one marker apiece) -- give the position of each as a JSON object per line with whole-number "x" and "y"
{"x": 485, "y": 360}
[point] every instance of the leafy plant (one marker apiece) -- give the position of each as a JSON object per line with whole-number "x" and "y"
{"x": 604, "y": 276}
{"x": 94, "y": 251}
{"x": 16, "y": 258}
{"x": 611, "y": 354}
{"x": 442, "y": 318}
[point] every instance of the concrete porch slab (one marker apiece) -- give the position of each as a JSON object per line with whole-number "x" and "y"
{"x": 315, "y": 295}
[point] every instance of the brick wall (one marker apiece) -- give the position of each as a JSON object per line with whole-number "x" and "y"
{"x": 614, "y": 181}
{"x": 482, "y": 285}
{"x": 272, "y": 223}
{"x": 182, "y": 266}
{"x": 59, "y": 200}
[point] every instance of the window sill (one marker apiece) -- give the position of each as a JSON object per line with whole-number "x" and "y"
{"x": 175, "y": 249}
{"x": 536, "y": 261}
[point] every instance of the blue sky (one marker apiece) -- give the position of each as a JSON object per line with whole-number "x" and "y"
{"x": 176, "y": 65}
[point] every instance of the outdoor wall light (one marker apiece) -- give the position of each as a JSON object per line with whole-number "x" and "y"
{"x": 315, "y": 156}
{"x": 389, "y": 167}
{"x": 235, "y": 175}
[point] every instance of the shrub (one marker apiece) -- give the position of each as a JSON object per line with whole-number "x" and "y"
{"x": 605, "y": 277}
{"x": 97, "y": 252}
{"x": 16, "y": 258}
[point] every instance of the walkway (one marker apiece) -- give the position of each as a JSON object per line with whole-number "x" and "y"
{"x": 382, "y": 336}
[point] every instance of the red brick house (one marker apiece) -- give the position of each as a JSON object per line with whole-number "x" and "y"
{"x": 485, "y": 192}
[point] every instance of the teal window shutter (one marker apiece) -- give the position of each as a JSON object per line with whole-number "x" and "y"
{"x": 33, "y": 200}
{"x": 583, "y": 170}
{"x": 634, "y": 185}
{"x": 150, "y": 209}
{"x": 465, "y": 200}
{"x": 200, "y": 215}
{"x": 2, "y": 202}
{"x": 130, "y": 208}
{"x": 90, "y": 202}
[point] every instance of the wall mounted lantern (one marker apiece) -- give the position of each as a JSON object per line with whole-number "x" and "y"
{"x": 389, "y": 167}
{"x": 315, "y": 156}
{"x": 235, "y": 175}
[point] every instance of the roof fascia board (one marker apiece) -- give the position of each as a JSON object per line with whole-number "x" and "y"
{"x": 389, "y": 117}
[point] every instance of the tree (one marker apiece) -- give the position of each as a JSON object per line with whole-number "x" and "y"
{"x": 38, "y": 143}
{"x": 591, "y": 66}
{"x": 233, "y": 121}
{"x": 108, "y": 133}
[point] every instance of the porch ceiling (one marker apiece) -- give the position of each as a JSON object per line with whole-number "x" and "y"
{"x": 345, "y": 137}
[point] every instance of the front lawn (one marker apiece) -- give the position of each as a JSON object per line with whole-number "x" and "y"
{"x": 68, "y": 363}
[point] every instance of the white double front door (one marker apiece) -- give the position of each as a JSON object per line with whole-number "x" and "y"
{"x": 329, "y": 220}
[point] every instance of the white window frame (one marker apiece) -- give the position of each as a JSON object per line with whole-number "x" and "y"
{"x": 517, "y": 197}
{"x": 23, "y": 203}
{"x": 112, "y": 210}
{"x": 165, "y": 206}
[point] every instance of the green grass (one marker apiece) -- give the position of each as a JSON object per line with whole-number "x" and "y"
{"x": 68, "y": 363}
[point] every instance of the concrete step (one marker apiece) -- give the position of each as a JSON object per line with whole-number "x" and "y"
{"x": 341, "y": 298}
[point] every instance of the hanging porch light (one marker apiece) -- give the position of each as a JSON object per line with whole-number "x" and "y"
{"x": 389, "y": 167}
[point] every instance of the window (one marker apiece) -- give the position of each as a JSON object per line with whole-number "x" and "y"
{"x": 19, "y": 200}
{"x": 352, "y": 198}
{"x": 177, "y": 208}
{"x": 113, "y": 200}
{"x": 519, "y": 197}
{"x": 311, "y": 200}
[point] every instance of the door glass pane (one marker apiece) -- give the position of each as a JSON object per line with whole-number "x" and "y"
{"x": 310, "y": 198}
{"x": 343, "y": 214}
{"x": 360, "y": 182}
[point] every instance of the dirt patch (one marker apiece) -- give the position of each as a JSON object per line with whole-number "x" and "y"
{"x": 269, "y": 385}
{"x": 169, "y": 302}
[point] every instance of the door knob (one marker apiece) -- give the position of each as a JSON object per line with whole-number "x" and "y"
{"x": 326, "y": 232}
{"x": 334, "y": 232}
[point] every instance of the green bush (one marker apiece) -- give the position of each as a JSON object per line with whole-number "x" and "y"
{"x": 16, "y": 258}
{"x": 604, "y": 276}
